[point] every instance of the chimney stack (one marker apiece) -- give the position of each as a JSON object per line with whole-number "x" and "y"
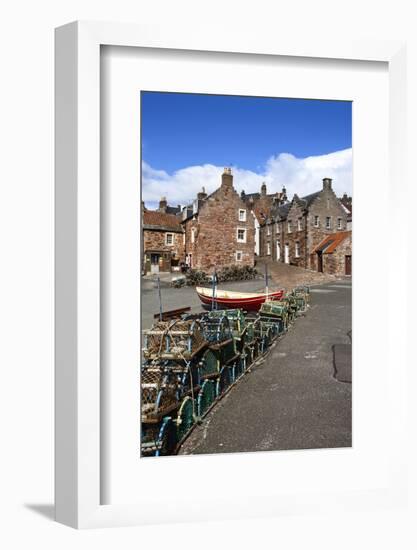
{"x": 327, "y": 183}
{"x": 202, "y": 194}
{"x": 227, "y": 177}
{"x": 163, "y": 204}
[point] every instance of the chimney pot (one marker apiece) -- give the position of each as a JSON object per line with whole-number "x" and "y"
{"x": 227, "y": 177}
{"x": 327, "y": 183}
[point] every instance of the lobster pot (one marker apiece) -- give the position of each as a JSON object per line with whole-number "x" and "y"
{"x": 225, "y": 351}
{"x": 159, "y": 439}
{"x": 238, "y": 327}
{"x": 149, "y": 438}
{"x": 302, "y": 297}
{"x": 291, "y": 306}
{"x": 206, "y": 396}
{"x": 160, "y": 393}
{"x": 216, "y": 327}
{"x": 189, "y": 376}
{"x": 275, "y": 312}
{"x": 250, "y": 333}
{"x": 209, "y": 364}
{"x": 174, "y": 340}
{"x": 303, "y": 291}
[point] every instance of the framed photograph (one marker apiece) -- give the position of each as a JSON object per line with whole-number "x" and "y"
{"x": 218, "y": 318}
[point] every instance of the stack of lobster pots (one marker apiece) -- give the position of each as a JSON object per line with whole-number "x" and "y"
{"x": 190, "y": 362}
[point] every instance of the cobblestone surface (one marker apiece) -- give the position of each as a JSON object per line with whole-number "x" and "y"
{"x": 289, "y": 276}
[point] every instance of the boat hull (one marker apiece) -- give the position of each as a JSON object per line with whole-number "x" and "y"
{"x": 248, "y": 303}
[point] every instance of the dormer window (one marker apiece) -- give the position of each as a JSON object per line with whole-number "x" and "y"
{"x": 242, "y": 215}
{"x": 299, "y": 224}
{"x": 277, "y": 227}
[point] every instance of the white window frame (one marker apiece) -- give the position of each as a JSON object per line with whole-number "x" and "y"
{"x": 268, "y": 249}
{"x": 193, "y": 234}
{"x": 268, "y": 230}
{"x": 339, "y": 223}
{"x": 299, "y": 224}
{"x": 242, "y": 218}
{"x": 172, "y": 239}
{"x": 277, "y": 229}
{"x": 328, "y": 222}
{"x": 289, "y": 227}
{"x": 241, "y": 255}
{"x": 316, "y": 221}
{"x": 297, "y": 249}
{"x": 237, "y": 234}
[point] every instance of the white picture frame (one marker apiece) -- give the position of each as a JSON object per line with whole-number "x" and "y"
{"x": 78, "y": 449}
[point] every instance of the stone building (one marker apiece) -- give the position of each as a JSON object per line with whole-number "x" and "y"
{"x": 334, "y": 254}
{"x": 260, "y": 205}
{"x": 293, "y": 230}
{"x": 162, "y": 239}
{"x": 219, "y": 229}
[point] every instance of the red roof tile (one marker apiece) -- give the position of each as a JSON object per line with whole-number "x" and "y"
{"x": 160, "y": 219}
{"x": 331, "y": 242}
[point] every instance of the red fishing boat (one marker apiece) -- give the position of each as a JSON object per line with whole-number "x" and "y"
{"x": 250, "y": 301}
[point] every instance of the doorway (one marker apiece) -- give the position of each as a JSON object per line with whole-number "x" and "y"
{"x": 348, "y": 265}
{"x": 320, "y": 262}
{"x": 155, "y": 263}
{"x": 287, "y": 254}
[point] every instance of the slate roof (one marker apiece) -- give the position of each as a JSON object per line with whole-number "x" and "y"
{"x": 152, "y": 219}
{"x": 173, "y": 209}
{"x": 308, "y": 199}
{"x": 331, "y": 242}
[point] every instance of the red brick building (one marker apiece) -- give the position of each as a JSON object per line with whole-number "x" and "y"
{"x": 219, "y": 229}
{"x": 162, "y": 240}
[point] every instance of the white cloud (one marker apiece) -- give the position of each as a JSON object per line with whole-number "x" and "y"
{"x": 301, "y": 176}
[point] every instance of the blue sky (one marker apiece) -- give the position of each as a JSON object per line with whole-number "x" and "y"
{"x": 188, "y": 138}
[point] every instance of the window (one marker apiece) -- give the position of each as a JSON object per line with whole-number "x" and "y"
{"x": 241, "y": 235}
{"x": 278, "y": 250}
{"x": 183, "y": 238}
{"x": 299, "y": 224}
{"x": 268, "y": 230}
{"x": 297, "y": 249}
{"x": 339, "y": 223}
{"x": 193, "y": 234}
{"x": 169, "y": 239}
{"x": 328, "y": 222}
{"x": 238, "y": 256}
{"x": 242, "y": 215}
{"x": 289, "y": 227}
{"x": 268, "y": 249}
{"x": 316, "y": 221}
{"x": 277, "y": 227}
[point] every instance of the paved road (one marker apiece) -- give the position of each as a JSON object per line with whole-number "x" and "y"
{"x": 292, "y": 399}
